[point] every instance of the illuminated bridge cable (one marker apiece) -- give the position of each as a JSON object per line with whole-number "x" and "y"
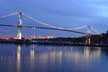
{"x": 12, "y": 14}
{"x": 48, "y": 25}
{"x": 35, "y": 27}
{"x": 43, "y": 23}
{"x": 40, "y": 22}
{"x": 94, "y": 30}
{"x": 78, "y": 28}
{"x": 88, "y": 29}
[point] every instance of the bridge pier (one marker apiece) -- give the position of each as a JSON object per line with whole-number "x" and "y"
{"x": 88, "y": 40}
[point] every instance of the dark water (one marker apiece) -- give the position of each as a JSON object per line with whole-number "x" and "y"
{"x": 17, "y": 58}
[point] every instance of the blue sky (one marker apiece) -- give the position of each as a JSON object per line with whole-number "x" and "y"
{"x": 64, "y": 13}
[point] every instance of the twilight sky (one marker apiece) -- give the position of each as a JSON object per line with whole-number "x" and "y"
{"x": 64, "y": 13}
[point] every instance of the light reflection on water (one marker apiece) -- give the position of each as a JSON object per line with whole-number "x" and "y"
{"x": 18, "y": 58}
{"x": 34, "y": 58}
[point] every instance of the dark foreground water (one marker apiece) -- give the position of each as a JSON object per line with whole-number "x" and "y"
{"x": 17, "y": 58}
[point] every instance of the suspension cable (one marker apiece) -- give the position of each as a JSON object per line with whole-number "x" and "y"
{"x": 89, "y": 28}
{"x": 46, "y": 24}
{"x": 12, "y": 14}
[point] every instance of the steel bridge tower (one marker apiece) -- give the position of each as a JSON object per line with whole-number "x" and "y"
{"x": 19, "y": 34}
{"x": 88, "y": 40}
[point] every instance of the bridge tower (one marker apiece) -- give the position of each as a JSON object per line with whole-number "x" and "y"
{"x": 19, "y": 34}
{"x": 88, "y": 40}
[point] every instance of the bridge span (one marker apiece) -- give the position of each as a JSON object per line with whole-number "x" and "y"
{"x": 49, "y": 27}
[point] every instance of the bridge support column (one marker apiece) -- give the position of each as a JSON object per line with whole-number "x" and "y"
{"x": 19, "y": 34}
{"x": 88, "y": 41}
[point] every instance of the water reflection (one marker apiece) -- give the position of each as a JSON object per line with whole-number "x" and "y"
{"x": 18, "y": 57}
{"x": 106, "y": 51}
{"x": 55, "y": 58}
{"x": 92, "y": 52}
{"x": 52, "y": 59}
{"x": 97, "y": 52}
{"x": 71, "y": 55}
{"x": 87, "y": 52}
{"x": 32, "y": 57}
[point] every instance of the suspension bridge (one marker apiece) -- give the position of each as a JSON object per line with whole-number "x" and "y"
{"x": 47, "y": 26}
